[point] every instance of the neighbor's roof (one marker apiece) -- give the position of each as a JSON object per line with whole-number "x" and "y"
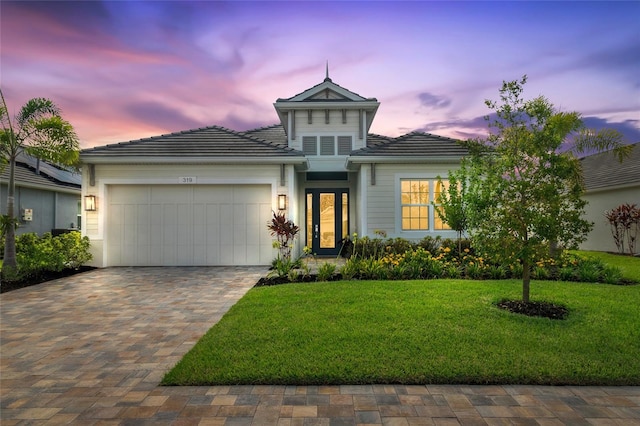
{"x": 604, "y": 170}
{"x": 49, "y": 176}
{"x": 198, "y": 144}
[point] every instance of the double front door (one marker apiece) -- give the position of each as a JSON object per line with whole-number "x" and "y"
{"x": 327, "y": 220}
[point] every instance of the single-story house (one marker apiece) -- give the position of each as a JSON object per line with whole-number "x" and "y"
{"x": 47, "y": 198}
{"x": 205, "y": 196}
{"x": 608, "y": 184}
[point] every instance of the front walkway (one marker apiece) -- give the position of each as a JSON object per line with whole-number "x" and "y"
{"x": 92, "y": 348}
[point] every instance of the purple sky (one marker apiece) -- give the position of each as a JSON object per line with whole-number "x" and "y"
{"x": 127, "y": 70}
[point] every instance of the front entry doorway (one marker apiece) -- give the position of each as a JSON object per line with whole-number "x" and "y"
{"x": 327, "y": 214}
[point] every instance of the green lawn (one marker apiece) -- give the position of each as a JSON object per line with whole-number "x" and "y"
{"x": 436, "y": 331}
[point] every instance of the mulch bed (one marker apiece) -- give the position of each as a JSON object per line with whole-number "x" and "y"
{"x": 535, "y": 309}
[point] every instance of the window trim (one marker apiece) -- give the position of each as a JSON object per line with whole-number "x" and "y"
{"x": 432, "y": 179}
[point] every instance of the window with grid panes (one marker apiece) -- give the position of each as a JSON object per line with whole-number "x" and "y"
{"x": 414, "y": 195}
{"x": 440, "y": 187}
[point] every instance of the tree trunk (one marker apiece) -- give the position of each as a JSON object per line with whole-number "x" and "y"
{"x": 9, "y": 263}
{"x": 526, "y": 280}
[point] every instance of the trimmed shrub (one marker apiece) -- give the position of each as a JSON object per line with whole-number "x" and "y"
{"x": 38, "y": 255}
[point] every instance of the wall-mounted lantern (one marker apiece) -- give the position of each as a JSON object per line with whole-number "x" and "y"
{"x": 282, "y": 202}
{"x": 90, "y": 203}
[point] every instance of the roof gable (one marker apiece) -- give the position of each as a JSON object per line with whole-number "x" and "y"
{"x": 326, "y": 91}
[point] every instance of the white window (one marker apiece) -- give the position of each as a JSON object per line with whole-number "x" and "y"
{"x": 441, "y": 187}
{"x": 417, "y": 211}
{"x": 414, "y": 198}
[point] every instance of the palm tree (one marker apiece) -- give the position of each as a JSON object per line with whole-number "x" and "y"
{"x": 37, "y": 130}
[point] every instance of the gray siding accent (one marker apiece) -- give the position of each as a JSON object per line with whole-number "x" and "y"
{"x": 309, "y": 145}
{"x": 327, "y": 145}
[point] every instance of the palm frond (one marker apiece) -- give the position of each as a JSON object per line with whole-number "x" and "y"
{"x": 35, "y": 109}
{"x": 601, "y": 141}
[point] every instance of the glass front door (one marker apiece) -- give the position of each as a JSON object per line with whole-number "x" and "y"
{"x": 327, "y": 219}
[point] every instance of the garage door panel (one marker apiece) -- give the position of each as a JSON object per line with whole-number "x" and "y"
{"x": 210, "y": 194}
{"x": 189, "y": 225}
{"x": 184, "y": 231}
{"x": 143, "y": 230}
{"x": 240, "y": 222}
{"x": 170, "y": 194}
{"x": 129, "y": 194}
{"x": 226, "y": 229}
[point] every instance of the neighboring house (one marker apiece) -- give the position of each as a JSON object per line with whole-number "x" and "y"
{"x": 609, "y": 184}
{"x": 46, "y": 197}
{"x": 204, "y": 196}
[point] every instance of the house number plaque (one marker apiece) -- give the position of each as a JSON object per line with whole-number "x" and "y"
{"x": 187, "y": 179}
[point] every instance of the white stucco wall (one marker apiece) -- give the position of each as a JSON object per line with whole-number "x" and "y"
{"x": 600, "y": 238}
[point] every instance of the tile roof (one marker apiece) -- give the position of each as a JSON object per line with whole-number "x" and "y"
{"x": 604, "y": 170}
{"x": 411, "y": 145}
{"x": 274, "y": 134}
{"x": 209, "y": 142}
{"x": 270, "y": 141}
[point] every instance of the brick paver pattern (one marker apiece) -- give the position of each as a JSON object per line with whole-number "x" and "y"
{"x": 92, "y": 349}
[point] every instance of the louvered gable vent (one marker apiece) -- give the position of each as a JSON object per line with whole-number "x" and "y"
{"x": 309, "y": 145}
{"x": 327, "y": 145}
{"x": 344, "y": 145}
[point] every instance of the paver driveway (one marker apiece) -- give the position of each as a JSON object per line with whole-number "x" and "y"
{"x": 92, "y": 348}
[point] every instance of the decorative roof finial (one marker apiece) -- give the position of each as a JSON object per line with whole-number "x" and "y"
{"x": 327, "y": 73}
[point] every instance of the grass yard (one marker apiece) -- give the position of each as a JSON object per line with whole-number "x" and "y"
{"x": 435, "y": 331}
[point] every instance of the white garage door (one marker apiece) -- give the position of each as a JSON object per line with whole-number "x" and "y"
{"x": 169, "y": 225}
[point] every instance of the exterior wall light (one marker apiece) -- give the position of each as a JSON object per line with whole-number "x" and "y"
{"x": 282, "y": 202}
{"x": 90, "y": 203}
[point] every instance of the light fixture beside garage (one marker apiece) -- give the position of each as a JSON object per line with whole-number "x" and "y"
{"x": 282, "y": 202}
{"x": 90, "y": 203}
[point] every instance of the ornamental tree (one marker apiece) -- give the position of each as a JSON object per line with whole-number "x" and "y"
{"x": 452, "y": 204}
{"x": 37, "y": 130}
{"x": 524, "y": 194}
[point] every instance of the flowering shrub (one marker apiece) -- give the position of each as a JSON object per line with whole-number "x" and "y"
{"x": 399, "y": 259}
{"x": 444, "y": 262}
